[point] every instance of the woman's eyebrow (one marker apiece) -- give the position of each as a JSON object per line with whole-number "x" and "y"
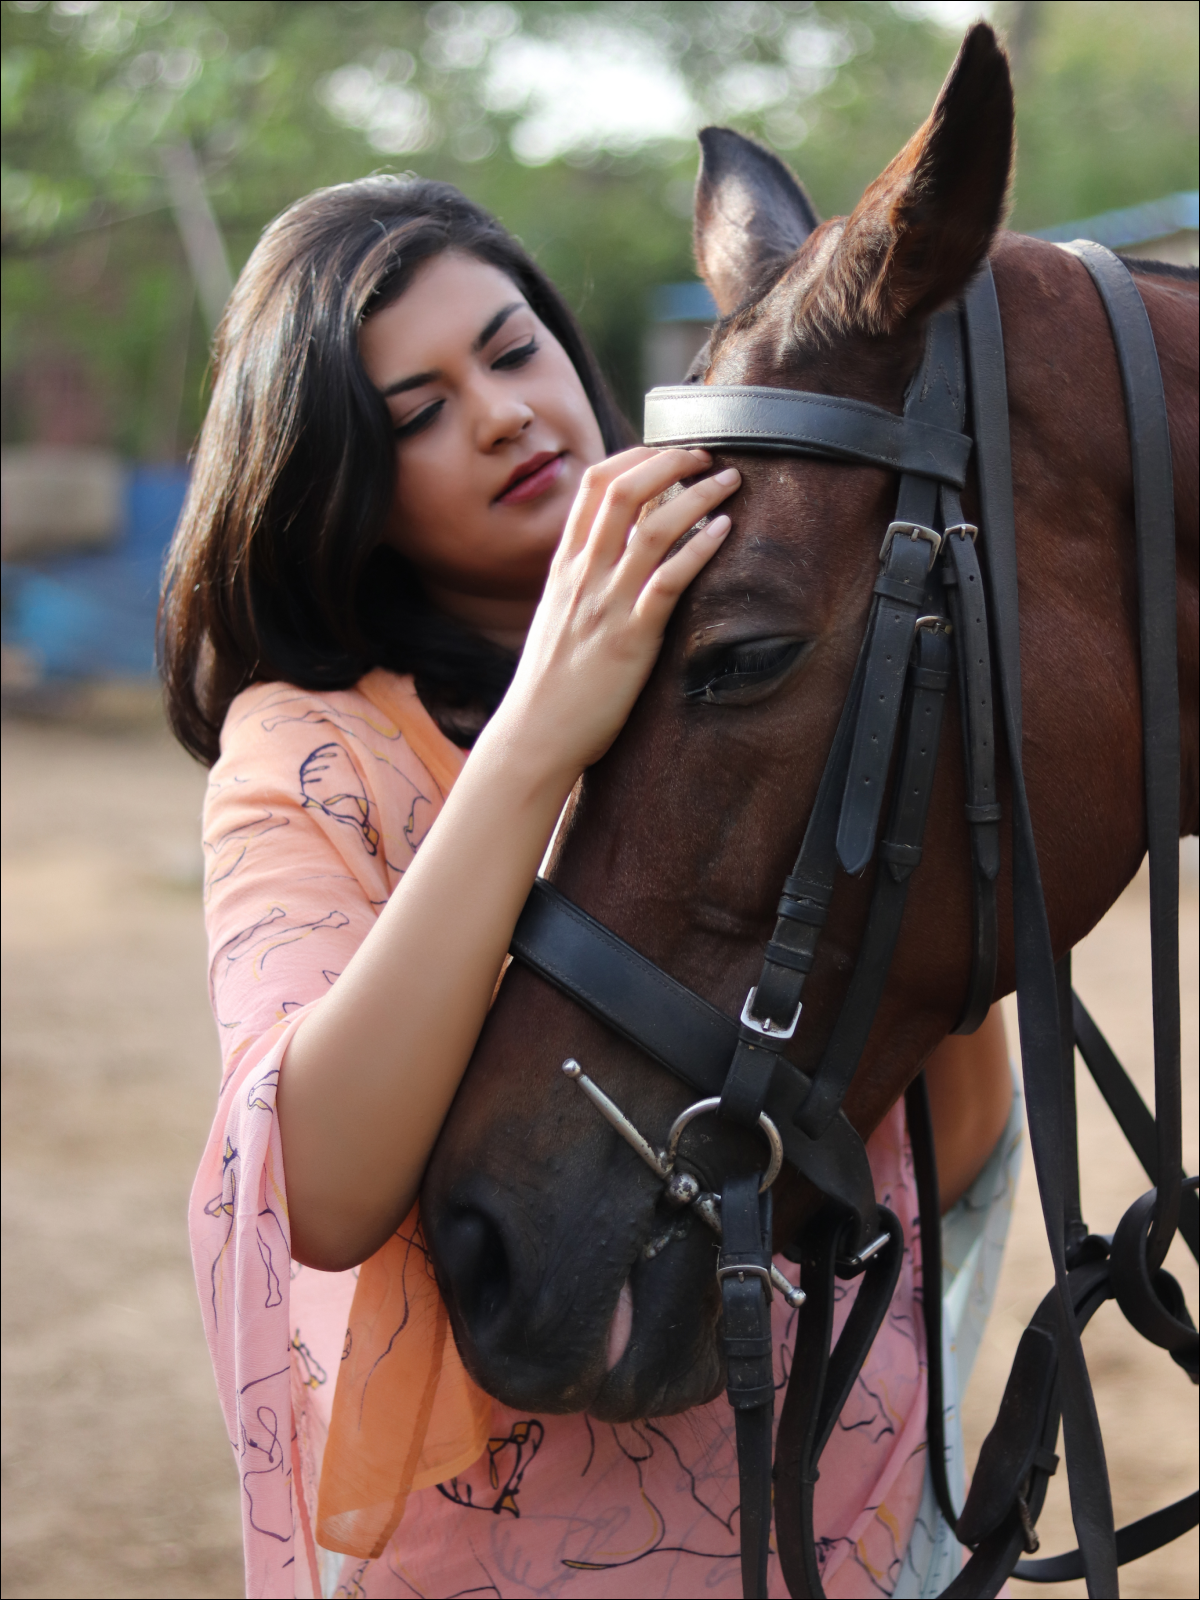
{"x": 415, "y": 382}
{"x": 494, "y": 326}
{"x": 491, "y": 329}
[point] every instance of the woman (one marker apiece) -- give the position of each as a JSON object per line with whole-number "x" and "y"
{"x": 408, "y": 535}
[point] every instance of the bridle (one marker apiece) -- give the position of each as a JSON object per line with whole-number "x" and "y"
{"x": 932, "y": 613}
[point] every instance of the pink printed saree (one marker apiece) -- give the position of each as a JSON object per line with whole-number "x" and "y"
{"x": 369, "y": 1462}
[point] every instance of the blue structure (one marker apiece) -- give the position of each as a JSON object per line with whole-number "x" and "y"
{"x": 683, "y": 302}
{"x": 87, "y": 616}
{"x": 1156, "y": 219}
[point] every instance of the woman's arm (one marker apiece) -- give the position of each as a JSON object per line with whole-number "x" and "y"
{"x": 970, "y": 1096}
{"x": 370, "y": 1073}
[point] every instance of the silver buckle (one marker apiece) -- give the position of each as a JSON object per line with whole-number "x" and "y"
{"x": 742, "y": 1273}
{"x": 768, "y": 1029}
{"x": 913, "y": 530}
{"x": 968, "y": 530}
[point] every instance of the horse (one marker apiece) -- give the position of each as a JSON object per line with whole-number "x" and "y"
{"x": 537, "y": 1217}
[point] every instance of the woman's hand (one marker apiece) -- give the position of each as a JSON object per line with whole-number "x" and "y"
{"x": 608, "y": 598}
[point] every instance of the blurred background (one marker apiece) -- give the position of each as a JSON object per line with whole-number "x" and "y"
{"x": 145, "y": 145}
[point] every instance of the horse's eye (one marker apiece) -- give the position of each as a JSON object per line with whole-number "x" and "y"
{"x": 739, "y": 674}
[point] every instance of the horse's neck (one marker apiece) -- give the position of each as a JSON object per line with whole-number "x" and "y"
{"x": 1078, "y": 570}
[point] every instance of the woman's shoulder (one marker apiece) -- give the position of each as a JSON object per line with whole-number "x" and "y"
{"x": 365, "y": 764}
{"x": 277, "y": 732}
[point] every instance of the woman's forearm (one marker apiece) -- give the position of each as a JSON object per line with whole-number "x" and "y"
{"x": 970, "y": 1096}
{"x": 370, "y": 1073}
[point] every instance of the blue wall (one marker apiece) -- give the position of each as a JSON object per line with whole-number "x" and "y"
{"x": 88, "y": 616}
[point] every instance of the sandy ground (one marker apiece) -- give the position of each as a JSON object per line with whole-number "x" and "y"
{"x": 117, "y": 1476}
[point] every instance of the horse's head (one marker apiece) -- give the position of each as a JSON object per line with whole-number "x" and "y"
{"x": 537, "y": 1214}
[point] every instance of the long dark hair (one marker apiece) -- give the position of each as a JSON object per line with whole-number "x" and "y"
{"x": 277, "y": 570}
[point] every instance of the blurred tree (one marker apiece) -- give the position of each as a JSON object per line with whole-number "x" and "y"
{"x": 573, "y": 121}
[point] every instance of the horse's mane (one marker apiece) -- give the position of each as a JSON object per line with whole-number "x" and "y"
{"x": 1162, "y": 269}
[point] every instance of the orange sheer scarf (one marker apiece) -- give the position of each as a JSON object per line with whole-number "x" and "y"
{"x": 405, "y": 1413}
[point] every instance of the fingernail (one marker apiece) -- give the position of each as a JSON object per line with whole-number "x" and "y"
{"x": 730, "y": 475}
{"x": 718, "y": 527}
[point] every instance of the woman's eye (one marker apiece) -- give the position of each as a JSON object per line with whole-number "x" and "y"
{"x": 516, "y": 357}
{"x": 733, "y": 674}
{"x": 422, "y": 420}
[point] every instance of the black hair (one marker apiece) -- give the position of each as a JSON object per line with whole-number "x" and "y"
{"x": 277, "y": 570}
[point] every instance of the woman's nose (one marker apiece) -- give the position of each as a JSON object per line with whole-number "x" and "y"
{"x": 501, "y": 417}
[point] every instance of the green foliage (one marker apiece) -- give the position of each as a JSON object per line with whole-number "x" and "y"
{"x": 278, "y": 98}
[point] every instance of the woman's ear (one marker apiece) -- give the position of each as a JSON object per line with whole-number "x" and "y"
{"x": 923, "y": 227}
{"x": 751, "y": 215}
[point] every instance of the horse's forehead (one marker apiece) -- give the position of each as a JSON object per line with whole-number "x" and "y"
{"x": 767, "y": 569}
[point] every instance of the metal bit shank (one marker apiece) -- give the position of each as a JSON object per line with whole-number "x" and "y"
{"x": 614, "y": 1115}
{"x": 705, "y": 1205}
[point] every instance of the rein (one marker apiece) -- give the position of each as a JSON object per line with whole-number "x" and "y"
{"x": 930, "y": 615}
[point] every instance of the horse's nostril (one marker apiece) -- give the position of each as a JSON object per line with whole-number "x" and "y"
{"x": 474, "y": 1256}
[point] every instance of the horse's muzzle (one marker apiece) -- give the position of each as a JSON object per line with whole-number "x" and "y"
{"x": 532, "y": 1298}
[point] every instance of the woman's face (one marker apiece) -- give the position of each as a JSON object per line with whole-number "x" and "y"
{"x": 493, "y": 434}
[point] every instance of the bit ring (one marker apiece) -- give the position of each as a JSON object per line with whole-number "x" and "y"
{"x": 765, "y": 1125}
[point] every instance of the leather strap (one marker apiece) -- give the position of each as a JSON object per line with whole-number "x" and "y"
{"x": 929, "y": 1219}
{"x": 821, "y": 1381}
{"x": 1130, "y": 1110}
{"x": 1135, "y": 1540}
{"x": 1074, "y": 1228}
{"x": 808, "y": 888}
{"x": 1037, "y": 1005}
{"x": 968, "y": 611}
{"x": 1154, "y": 517}
{"x": 900, "y": 591}
{"x": 815, "y": 424}
{"x": 580, "y": 956}
{"x": 682, "y": 1032}
{"x": 1151, "y": 1299}
{"x": 899, "y": 854}
{"x": 743, "y": 1273}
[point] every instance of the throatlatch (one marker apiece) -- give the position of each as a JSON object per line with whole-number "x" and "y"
{"x": 930, "y": 615}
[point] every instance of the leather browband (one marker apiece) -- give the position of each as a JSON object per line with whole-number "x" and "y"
{"x": 788, "y": 419}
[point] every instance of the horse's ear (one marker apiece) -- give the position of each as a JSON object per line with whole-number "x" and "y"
{"x": 751, "y": 215}
{"x": 923, "y": 227}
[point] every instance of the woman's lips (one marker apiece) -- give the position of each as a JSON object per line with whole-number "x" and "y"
{"x": 532, "y": 478}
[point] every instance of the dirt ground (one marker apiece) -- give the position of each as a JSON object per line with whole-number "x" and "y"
{"x": 118, "y": 1480}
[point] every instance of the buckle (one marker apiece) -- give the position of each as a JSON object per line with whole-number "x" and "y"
{"x": 912, "y": 530}
{"x": 768, "y": 1029}
{"x": 965, "y": 530}
{"x": 741, "y": 1271}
